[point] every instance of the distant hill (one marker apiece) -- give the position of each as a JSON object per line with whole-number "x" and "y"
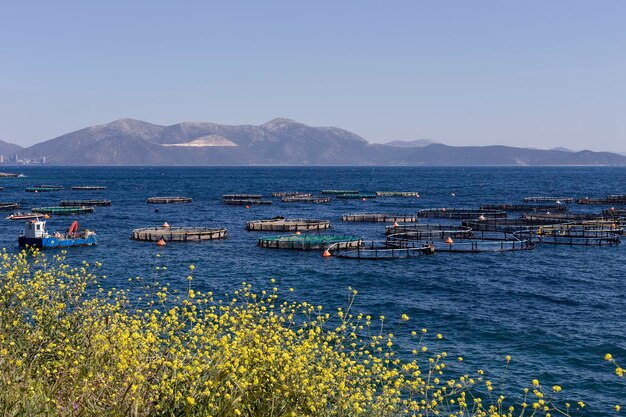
{"x": 277, "y": 142}
{"x": 8, "y": 149}
{"x": 417, "y": 143}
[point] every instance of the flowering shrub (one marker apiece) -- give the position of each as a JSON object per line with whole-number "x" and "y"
{"x": 70, "y": 347}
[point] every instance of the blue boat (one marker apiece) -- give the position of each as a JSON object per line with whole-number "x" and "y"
{"x": 35, "y": 235}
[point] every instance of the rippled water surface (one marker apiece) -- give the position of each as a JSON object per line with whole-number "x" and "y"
{"x": 555, "y": 310}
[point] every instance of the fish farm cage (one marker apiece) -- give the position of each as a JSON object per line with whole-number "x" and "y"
{"x": 43, "y": 188}
{"x": 613, "y": 212}
{"x": 356, "y": 196}
{"x": 246, "y": 202}
{"x": 462, "y": 213}
{"x": 429, "y": 233}
{"x": 64, "y": 210}
{"x": 242, "y": 197}
{"x": 177, "y": 234}
{"x": 290, "y": 194}
{"x": 506, "y": 225}
{"x": 556, "y": 200}
{"x": 575, "y": 237}
{"x": 9, "y": 206}
{"x": 485, "y": 242}
{"x": 414, "y": 194}
{"x": 287, "y": 225}
{"x": 615, "y": 199}
{"x": 561, "y": 217}
{"x": 73, "y": 203}
{"x": 88, "y": 187}
{"x": 378, "y": 217}
{"x": 383, "y": 250}
{"x": 169, "y": 200}
{"x": 529, "y": 208}
{"x": 309, "y": 242}
{"x": 305, "y": 199}
{"x": 339, "y": 192}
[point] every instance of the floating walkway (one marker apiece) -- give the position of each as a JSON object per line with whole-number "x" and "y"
{"x": 309, "y": 242}
{"x": 375, "y": 250}
{"x": 414, "y": 194}
{"x": 339, "y": 192}
{"x": 246, "y": 202}
{"x": 89, "y": 187}
{"x": 377, "y": 217}
{"x": 305, "y": 199}
{"x": 169, "y": 200}
{"x": 290, "y": 194}
{"x": 43, "y": 188}
{"x": 462, "y": 213}
{"x": 74, "y": 203}
{"x": 528, "y": 208}
{"x": 64, "y": 210}
{"x": 177, "y": 234}
{"x": 9, "y": 206}
{"x": 556, "y": 200}
{"x": 287, "y": 225}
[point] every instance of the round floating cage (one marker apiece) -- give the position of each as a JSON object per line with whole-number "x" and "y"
{"x": 309, "y": 242}
{"x": 290, "y": 194}
{"x": 9, "y": 206}
{"x": 305, "y": 199}
{"x": 462, "y": 213}
{"x": 613, "y": 212}
{"x": 561, "y": 217}
{"x": 242, "y": 197}
{"x": 506, "y": 225}
{"x": 557, "y": 200}
{"x": 485, "y": 242}
{"x": 246, "y": 202}
{"x": 177, "y": 234}
{"x": 616, "y": 199}
{"x": 528, "y": 208}
{"x": 74, "y": 203}
{"x": 378, "y": 217}
{"x": 383, "y": 250}
{"x": 339, "y": 192}
{"x": 414, "y": 194}
{"x": 43, "y": 188}
{"x": 427, "y": 232}
{"x": 88, "y": 187}
{"x": 287, "y": 225}
{"x": 576, "y": 237}
{"x": 169, "y": 200}
{"x": 356, "y": 196}
{"x": 64, "y": 210}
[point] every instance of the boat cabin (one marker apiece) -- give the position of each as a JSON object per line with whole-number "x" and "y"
{"x": 35, "y": 229}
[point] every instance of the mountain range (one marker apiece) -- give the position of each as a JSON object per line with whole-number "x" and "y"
{"x": 277, "y": 142}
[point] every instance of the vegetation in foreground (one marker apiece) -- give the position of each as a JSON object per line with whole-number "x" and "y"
{"x": 69, "y": 347}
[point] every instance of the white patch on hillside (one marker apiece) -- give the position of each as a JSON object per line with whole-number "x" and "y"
{"x": 205, "y": 141}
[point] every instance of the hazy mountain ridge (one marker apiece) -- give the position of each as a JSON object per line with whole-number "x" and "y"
{"x": 7, "y": 148}
{"x": 277, "y": 142}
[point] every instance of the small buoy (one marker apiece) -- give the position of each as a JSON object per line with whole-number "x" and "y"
{"x": 443, "y": 209}
{"x": 327, "y": 254}
{"x": 166, "y": 225}
{"x": 161, "y": 242}
{"x": 247, "y": 206}
{"x": 449, "y": 240}
{"x": 453, "y": 195}
{"x": 481, "y": 218}
{"x": 46, "y": 216}
{"x": 298, "y": 233}
{"x": 363, "y": 199}
{"x": 612, "y": 208}
{"x": 395, "y": 224}
{"x": 539, "y": 231}
{"x": 558, "y": 201}
{"x": 613, "y": 226}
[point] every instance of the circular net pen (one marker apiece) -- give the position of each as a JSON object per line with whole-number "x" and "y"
{"x": 356, "y": 196}
{"x": 485, "y": 242}
{"x": 378, "y": 217}
{"x": 556, "y": 218}
{"x": 462, "y": 213}
{"x": 246, "y": 202}
{"x": 548, "y": 199}
{"x": 305, "y": 199}
{"x": 88, "y": 187}
{"x": 177, "y": 234}
{"x": 169, "y": 200}
{"x": 242, "y": 197}
{"x": 338, "y": 192}
{"x": 290, "y": 194}
{"x": 506, "y": 225}
{"x": 526, "y": 208}
{"x": 413, "y": 194}
{"x": 420, "y": 232}
{"x": 309, "y": 242}
{"x": 74, "y": 203}
{"x": 618, "y": 200}
{"x": 613, "y": 212}
{"x": 383, "y": 250}
{"x": 287, "y": 225}
{"x": 9, "y": 206}
{"x": 575, "y": 237}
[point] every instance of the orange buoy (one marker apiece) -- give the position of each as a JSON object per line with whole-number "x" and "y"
{"x": 46, "y": 216}
{"x": 395, "y": 224}
{"x": 161, "y": 242}
{"x": 247, "y": 206}
{"x": 481, "y": 218}
{"x": 327, "y": 254}
{"x": 449, "y": 240}
{"x": 613, "y": 226}
{"x": 166, "y": 225}
{"x": 298, "y": 233}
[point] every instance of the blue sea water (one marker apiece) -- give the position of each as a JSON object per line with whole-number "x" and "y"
{"x": 556, "y": 309}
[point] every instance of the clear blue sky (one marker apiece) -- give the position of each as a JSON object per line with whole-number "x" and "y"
{"x": 538, "y": 73}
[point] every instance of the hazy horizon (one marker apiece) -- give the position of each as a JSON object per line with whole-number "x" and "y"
{"x": 536, "y": 74}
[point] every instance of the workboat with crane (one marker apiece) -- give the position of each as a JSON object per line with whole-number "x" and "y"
{"x": 35, "y": 235}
